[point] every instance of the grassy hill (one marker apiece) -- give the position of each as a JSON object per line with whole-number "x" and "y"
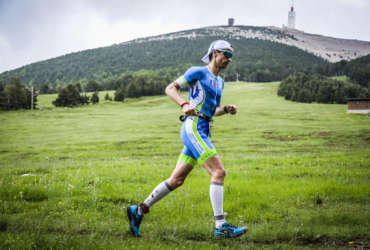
{"x": 297, "y": 175}
{"x": 255, "y": 59}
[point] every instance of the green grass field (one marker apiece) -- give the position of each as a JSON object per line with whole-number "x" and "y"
{"x": 298, "y": 175}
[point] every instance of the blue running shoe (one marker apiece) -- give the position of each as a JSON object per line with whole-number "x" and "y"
{"x": 229, "y": 231}
{"x": 135, "y": 219}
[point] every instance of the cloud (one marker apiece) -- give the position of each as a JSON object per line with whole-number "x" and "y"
{"x": 355, "y": 3}
{"x": 4, "y": 43}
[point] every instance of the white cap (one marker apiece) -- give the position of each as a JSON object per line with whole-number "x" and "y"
{"x": 217, "y": 45}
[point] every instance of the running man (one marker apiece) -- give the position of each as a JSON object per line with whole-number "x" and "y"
{"x": 205, "y": 90}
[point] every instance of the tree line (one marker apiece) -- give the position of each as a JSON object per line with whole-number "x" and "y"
{"x": 358, "y": 70}
{"x": 129, "y": 85}
{"x": 302, "y": 87}
{"x": 254, "y": 60}
{"x": 16, "y": 96}
{"x": 70, "y": 96}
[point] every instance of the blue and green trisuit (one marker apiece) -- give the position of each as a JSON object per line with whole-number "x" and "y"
{"x": 205, "y": 90}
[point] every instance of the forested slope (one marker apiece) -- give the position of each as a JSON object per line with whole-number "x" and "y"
{"x": 254, "y": 59}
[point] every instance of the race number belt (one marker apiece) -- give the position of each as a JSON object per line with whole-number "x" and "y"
{"x": 201, "y": 115}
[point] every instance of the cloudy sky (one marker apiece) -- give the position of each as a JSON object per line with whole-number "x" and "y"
{"x": 34, "y": 30}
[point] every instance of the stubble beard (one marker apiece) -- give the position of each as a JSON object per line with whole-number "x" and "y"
{"x": 224, "y": 65}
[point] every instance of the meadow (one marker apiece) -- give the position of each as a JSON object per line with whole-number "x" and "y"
{"x": 298, "y": 175}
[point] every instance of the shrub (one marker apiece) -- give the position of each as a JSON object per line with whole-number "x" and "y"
{"x": 119, "y": 95}
{"x": 69, "y": 96}
{"x": 95, "y": 98}
{"x": 107, "y": 97}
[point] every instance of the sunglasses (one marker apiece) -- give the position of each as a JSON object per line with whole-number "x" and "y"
{"x": 227, "y": 54}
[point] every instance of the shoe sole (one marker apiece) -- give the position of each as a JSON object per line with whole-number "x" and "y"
{"x": 129, "y": 221}
{"x": 232, "y": 237}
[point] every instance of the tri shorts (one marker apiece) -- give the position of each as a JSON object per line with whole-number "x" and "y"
{"x": 197, "y": 146}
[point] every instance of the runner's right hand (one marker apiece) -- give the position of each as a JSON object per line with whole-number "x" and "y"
{"x": 189, "y": 110}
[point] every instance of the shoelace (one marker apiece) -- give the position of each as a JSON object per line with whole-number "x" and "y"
{"x": 230, "y": 225}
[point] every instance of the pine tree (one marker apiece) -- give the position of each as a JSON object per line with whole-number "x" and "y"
{"x": 92, "y": 86}
{"x": 119, "y": 95}
{"x": 3, "y": 99}
{"x": 132, "y": 90}
{"x": 95, "y": 98}
{"x": 69, "y": 96}
{"x": 107, "y": 97}
{"x": 17, "y": 96}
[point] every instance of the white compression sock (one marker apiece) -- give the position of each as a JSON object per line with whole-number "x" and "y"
{"x": 158, "y": 193}
{"x": 216, "y": 192}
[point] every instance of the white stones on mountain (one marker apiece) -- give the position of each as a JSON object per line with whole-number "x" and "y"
{"x": 329, "y": 48}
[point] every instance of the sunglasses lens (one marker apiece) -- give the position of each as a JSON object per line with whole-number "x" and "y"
{"x": 228, "y": 54}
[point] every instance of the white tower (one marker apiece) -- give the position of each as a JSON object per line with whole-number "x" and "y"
{"x": 291, "y": 17}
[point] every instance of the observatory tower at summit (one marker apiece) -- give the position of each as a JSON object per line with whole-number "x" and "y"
{"x": 291, "y": 17}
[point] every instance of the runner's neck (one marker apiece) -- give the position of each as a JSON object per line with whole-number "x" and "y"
{"x": 213, "y": 69}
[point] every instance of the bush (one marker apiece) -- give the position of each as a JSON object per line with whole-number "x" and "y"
{"x": 133, "y": 90}
{"x": 107, "y": 97}
{"x": 3, "y": 99}
{"x": 85, "y": 99}
{"x": 69, "y": 96}
{"x": 92, "y": 86}
{"x": 119, "y": 95}
{"x": 95, "y": 98}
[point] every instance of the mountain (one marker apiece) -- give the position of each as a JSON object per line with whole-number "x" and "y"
{"x": 329, "y": 48}
{"x": 261, "y": 54}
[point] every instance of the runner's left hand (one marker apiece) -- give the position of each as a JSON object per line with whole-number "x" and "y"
{"x": 232, "y": 109}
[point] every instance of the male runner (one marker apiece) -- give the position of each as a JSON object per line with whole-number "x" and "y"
{"x": 205, "y": 90}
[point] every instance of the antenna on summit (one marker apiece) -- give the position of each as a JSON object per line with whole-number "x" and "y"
{"x": 291, "y": 17}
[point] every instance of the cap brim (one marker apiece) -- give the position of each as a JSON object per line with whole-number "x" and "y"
{"x": 205, "y": 59}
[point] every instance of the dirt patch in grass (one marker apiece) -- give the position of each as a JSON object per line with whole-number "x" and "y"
{"x": 365, "y": 135}
{"x": 271, "y": 136}
{"x": 33, "y": 194}
{"x": 3, "y": 225}
{"x": 327, "y": 242}
{"x": 300, "y": 175}
{"x": 330, "y": 144}
{"x": 321, "y": 241}
{"x": 116, "y": 200}
{"x": 198, "y": 238}
{"x": 326, "y": 133}
{"x": 280, "y": 138}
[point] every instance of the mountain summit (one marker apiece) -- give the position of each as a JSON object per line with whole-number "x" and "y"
{"x": 261, "y": 54}
{"x": 330, "y": 48}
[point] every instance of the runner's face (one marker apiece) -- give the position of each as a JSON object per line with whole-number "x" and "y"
{"x": 221, "y": 60}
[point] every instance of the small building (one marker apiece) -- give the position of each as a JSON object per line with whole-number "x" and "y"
{"x": 358, "y": 106}
{"x": 231, "y": 21}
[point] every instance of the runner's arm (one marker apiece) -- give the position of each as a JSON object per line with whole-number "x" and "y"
{"x": 173, "y": 92}
{"x": 220, "y": 110}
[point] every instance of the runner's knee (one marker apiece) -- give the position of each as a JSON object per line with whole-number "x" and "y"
{"x": 176, "y": 182}
{"x": 179, "y": 182}
{"x": 219, "y": 173}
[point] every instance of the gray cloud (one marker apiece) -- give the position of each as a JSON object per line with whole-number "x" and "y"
{"x": 39, "y": 29}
